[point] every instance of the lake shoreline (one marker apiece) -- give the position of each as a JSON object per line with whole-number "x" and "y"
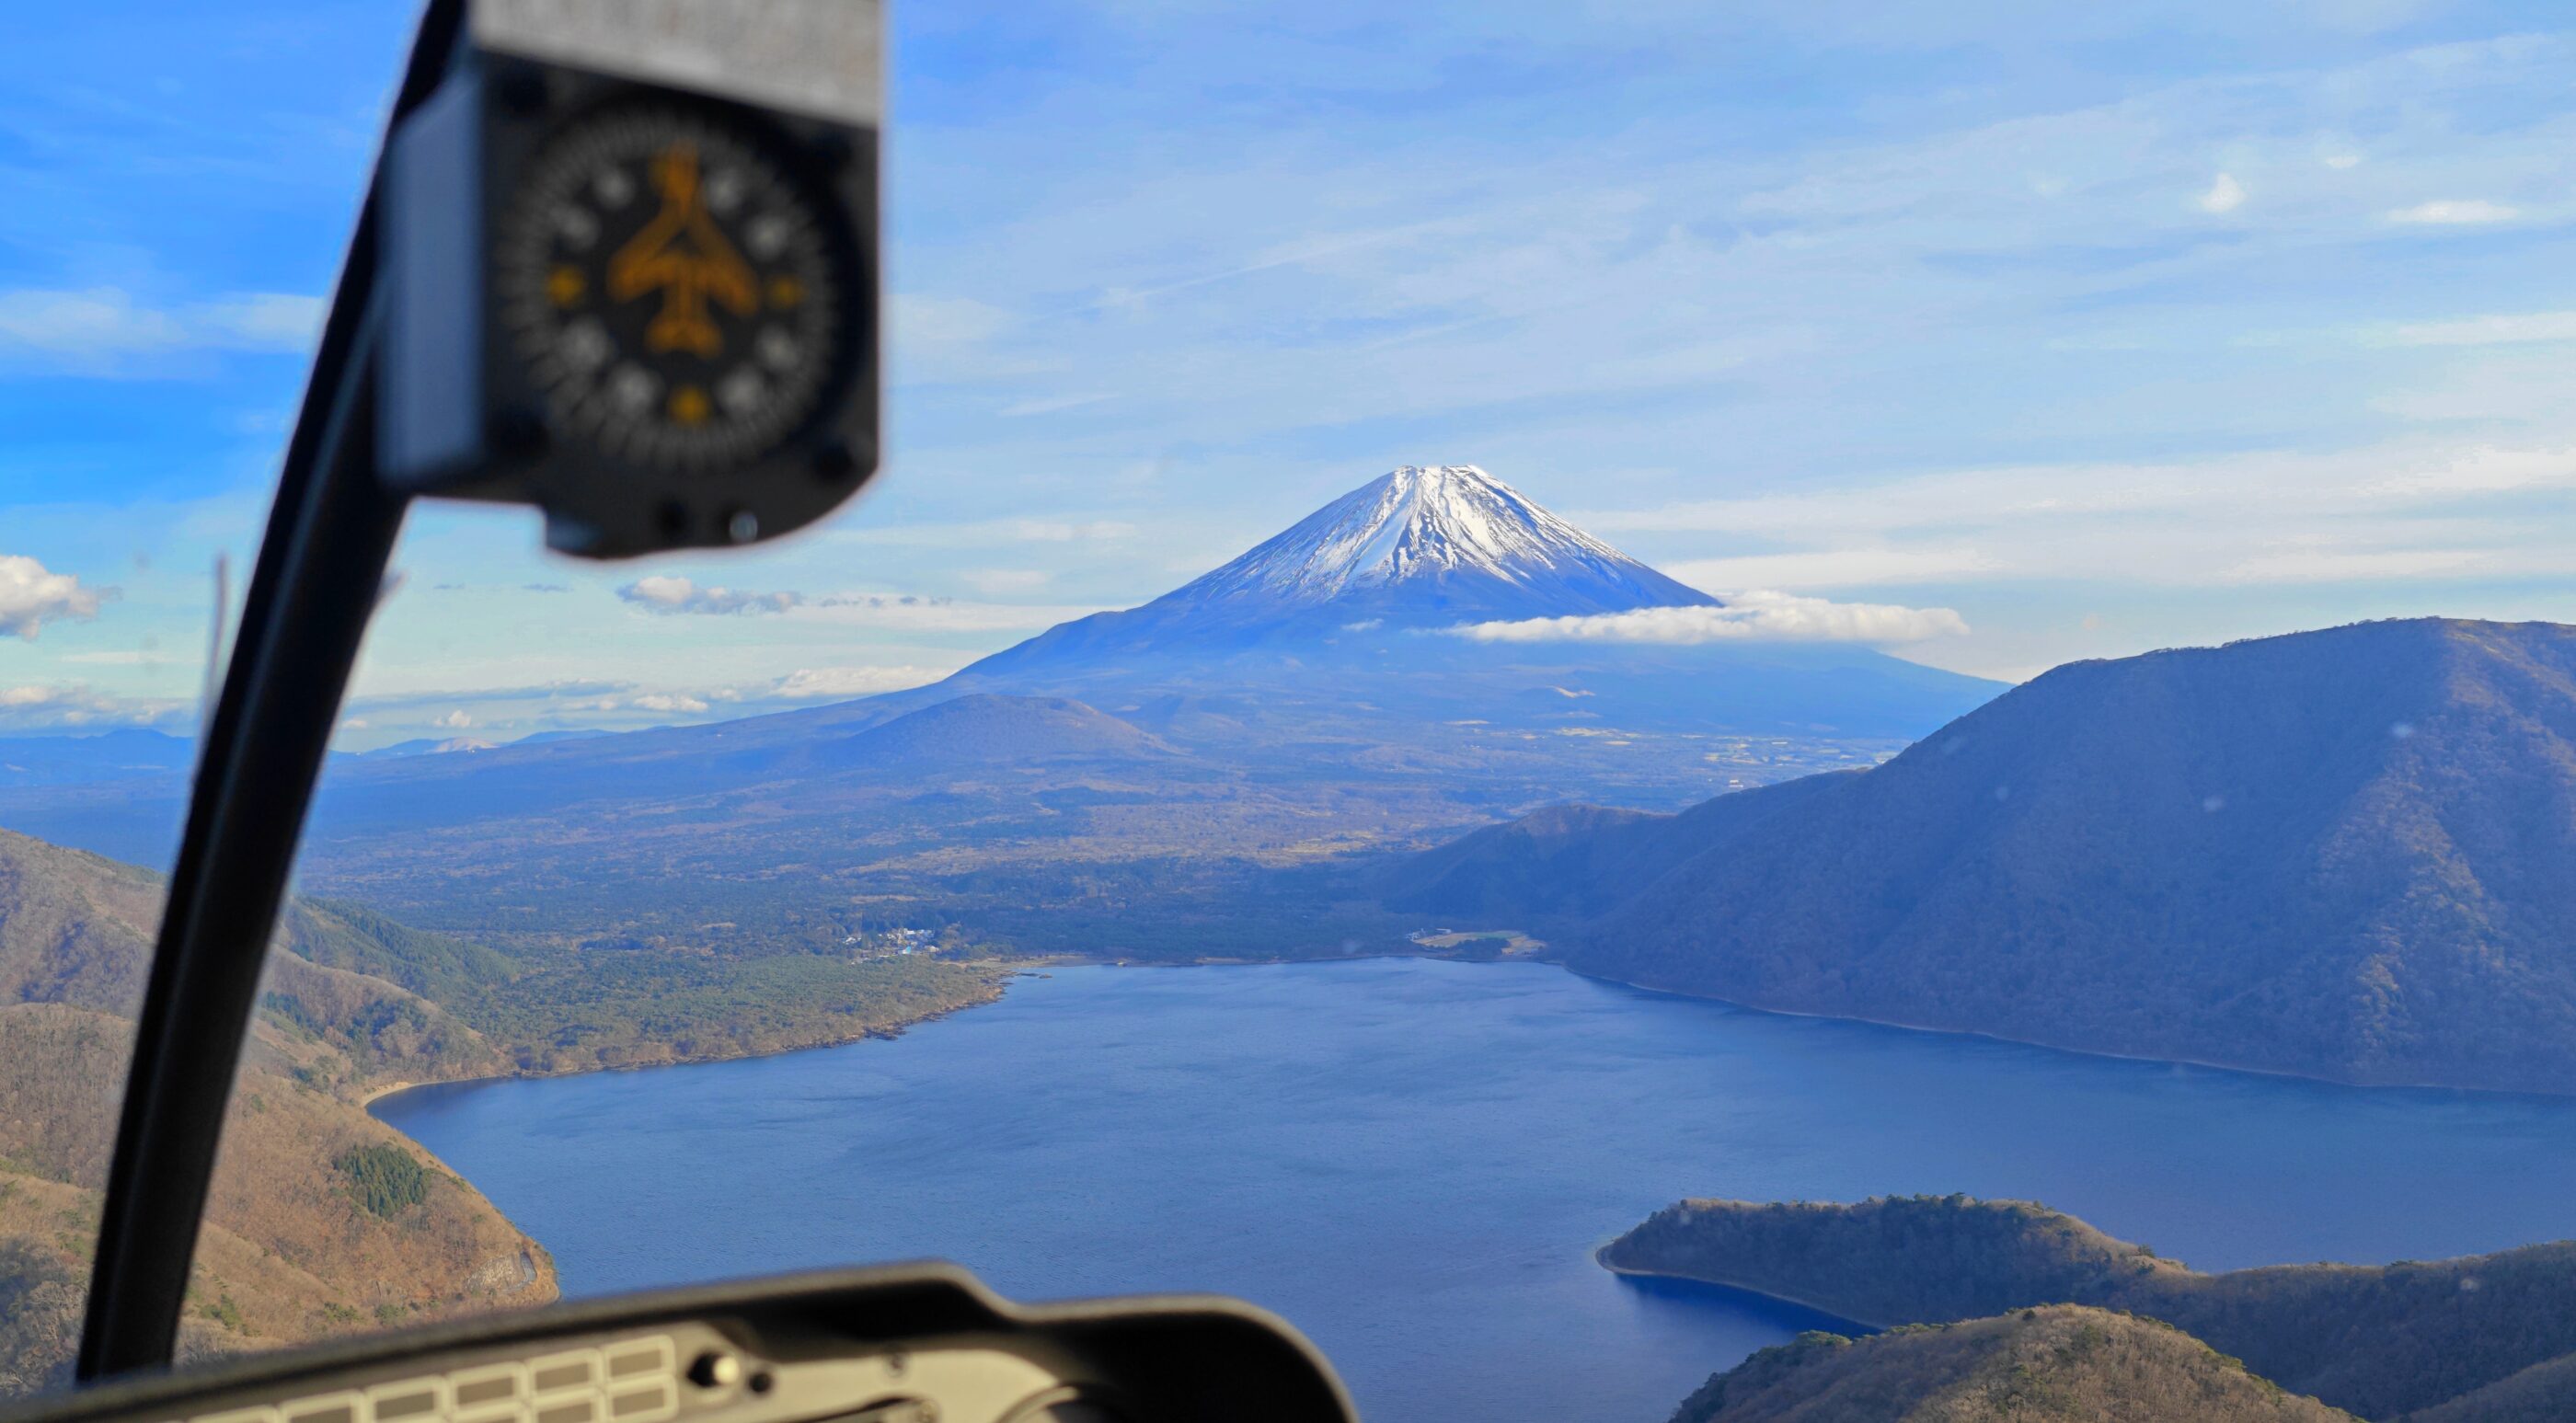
{"x": 373, "y": 1094}
{"x": 1631, "y": 1272}
{"x": 2150, "y": 1059}
{"x": 379, "y": 1092}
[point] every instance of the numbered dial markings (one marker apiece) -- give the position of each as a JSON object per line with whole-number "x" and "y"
{"x": 674, "y": 290}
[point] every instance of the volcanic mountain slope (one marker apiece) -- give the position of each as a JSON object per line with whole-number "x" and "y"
{"x": 2348, "y": 853}
{"x": 1416, "y": 548}
{"x": 296, "y": 1244}
{"x": 1352, "y": 621}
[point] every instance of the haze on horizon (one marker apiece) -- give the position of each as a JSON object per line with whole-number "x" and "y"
{"x": 2106, "y": 332}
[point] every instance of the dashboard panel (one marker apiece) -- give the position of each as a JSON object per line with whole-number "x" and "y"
{"x": 906, "y": 1344}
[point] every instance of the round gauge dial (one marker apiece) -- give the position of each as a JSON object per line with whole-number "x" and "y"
{"x": 673, "y": 287}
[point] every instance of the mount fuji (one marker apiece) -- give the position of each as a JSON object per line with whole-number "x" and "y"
{"x": 1350, "y": 617}
{"x": 1417, "y": 548}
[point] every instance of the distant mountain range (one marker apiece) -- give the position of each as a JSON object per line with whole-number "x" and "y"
{"x": 129, "y": 754}
{"x": 1106, "y": 785}
{"x": 2348, "y": 853}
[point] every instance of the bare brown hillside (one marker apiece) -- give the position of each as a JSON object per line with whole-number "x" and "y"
{"x": 321, "y": 1219}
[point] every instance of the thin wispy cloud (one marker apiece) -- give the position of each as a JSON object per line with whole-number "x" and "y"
{"x": 668, "y": 594}
{"x": 1761, "y": 615}
{"x": 73, "y": 706}
{"x": 816, "y": 683}
{"x": 95, "y": 328}
{"x": 2455, "y": 212}
{"x": 529, "y": 692}
{"x": 2405, "y": 512}
{"x": 912, "y": 614}
{"x": 2510, "y": 329}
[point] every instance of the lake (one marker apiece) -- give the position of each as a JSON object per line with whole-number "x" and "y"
{"x": 1412, "y": 1160}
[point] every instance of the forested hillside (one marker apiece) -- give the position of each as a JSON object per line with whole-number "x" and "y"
{"x": 2058, "y": 1361}
{"x": 1570, "y": 863}
{"x": 2348, "y": 853}
{"x": 2455, "y": 1340}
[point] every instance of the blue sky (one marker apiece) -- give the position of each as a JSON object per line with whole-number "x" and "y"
{"x": 2105, "y": 331}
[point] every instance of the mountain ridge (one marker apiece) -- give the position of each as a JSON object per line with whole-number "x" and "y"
{"x": 2340, "y": 853}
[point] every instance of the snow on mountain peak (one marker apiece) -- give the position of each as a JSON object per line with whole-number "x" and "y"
{"x": 1425, "y": 546}
{"x": 1454, "y": 526}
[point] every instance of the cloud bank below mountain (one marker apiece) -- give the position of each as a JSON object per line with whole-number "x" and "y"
{"x": 1761, "y": 615}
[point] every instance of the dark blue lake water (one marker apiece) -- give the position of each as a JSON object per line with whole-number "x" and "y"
{"x": 1414, "y": 1160}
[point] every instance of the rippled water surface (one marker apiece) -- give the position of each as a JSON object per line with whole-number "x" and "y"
{"x": 1413, "y": 1160}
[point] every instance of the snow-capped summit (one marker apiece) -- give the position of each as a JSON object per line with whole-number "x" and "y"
{"x": 1418, "y": 547}
{"x": 1473, "y": 543}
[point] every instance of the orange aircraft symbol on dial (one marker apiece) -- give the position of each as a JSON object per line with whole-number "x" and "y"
{"x": 686, "y": 257}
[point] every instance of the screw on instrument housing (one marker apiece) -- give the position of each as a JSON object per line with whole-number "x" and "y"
{"x": 743, "y": 526}
{"x": 715, "y": 1369}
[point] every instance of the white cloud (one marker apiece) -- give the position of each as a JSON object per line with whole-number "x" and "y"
{"x": 2343, "y": 160}
{"x": 925, "y": 320}
{"x": 76, "y": 705}
{"x": 2406, "y": 511}
{"x": 99, "y": 324}
{"x": 2509, "y": 329}
{"x": 1066, "y": 531}
{"x": 667, "y": 702}
{"x": 2224, "y": 195}
{"x": 1007, "y": 580}
{"x": 1834, "y": 568}
{"x": 30, "y": 596}
{"x": 2455, "y": 212}
{"x": 451, "y": 693}
{"x": 1759, "y": 615}
{"x": 264, "y": 321}
{"x": 807, "y": 683}
{"x": 664, "y": 593}
{"x": 1049, "y": 405}
{"x": 455, "y": 720}
{"x": 980, "y": 533}
{"x": 127, "y": 658}
{"x": 914, "y": 613}
{"x": 950, "y": 339}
